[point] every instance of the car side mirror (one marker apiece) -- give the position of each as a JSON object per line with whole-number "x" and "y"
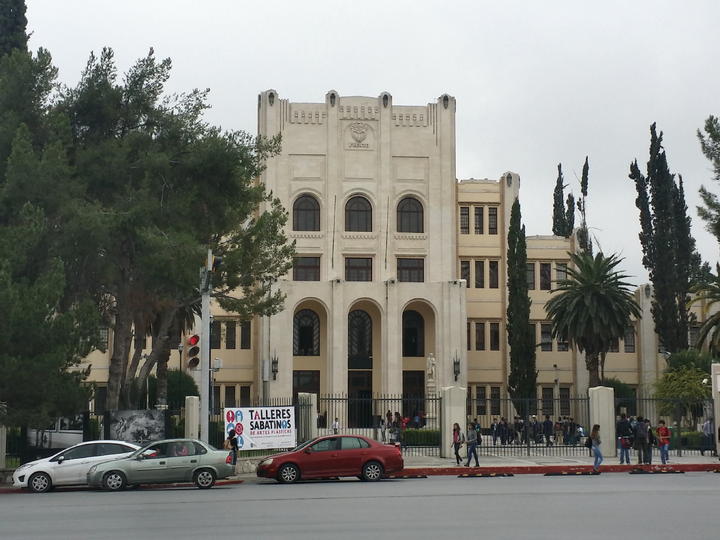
{"x": 139, "y": 457}
{"x": 60, "y": 459}
{"x": 308, "y": 451}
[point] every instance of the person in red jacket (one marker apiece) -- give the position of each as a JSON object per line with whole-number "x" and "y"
{"x": 663, "y": 440}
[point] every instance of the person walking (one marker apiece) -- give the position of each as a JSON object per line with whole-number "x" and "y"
{"x": 596, "y": 442}
{"x": 708, "y": 442}
{"x": 547, "y": 429}
{"x": 472, "y": 442}
{"x": 231, "y": 443}
{"x": 663, "y": 441}
{"x": 495, "y": 431}
{"x": 458, "y": 438}
{"x": 558, "y": 428}
{"x": 623, "y": 431}
{"x": 336, "y": 426}
{"x": 641, "y": 441}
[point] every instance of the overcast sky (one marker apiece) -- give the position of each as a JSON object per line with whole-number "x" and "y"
{"x": 536, "y": 82}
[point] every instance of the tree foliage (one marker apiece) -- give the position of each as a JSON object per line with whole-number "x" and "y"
{"x": 707, "y": 293}
{"x": 683, "y": 392}
{"x": 523, "y": 375}
{"x": 691, "y": 358}
{"x": 592, "y": 307}
{"x": 710, "y": 144}
{"x": 563, "y": 211}
{"x": 13, "y": 24}
{"x": 667, "y": 243}
{"x": 583, "y": 234}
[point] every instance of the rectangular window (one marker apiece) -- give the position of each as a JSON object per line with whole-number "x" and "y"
{"x": 480, "y": 401}
{"x": 545, "y": 337}
{"x": 216, "y": 405}
{"x": 469, "y": 342}
{"x": 545, "y": 277}
{"x": 530, "y": 273}
{"x": 494, "y": 336}
{"x": 358, "y": 269}
{"x": 244, "y": 396}
{"x": 493, "y": 274}
{"x": 614, "y": 345}
{"x": 306, "y": 269}
{"x": 693, "y": 334}
{"x": 230, "y": 333}
{"x": 411, "y": 270}
{"x": 629, "y": 339}
{"x": 492, "y": 220}
{"x": 479, "y": 274}
{"x": 464, "y": 220}
{"x": 245, "y": 335}
{"x": 100, "y": 399}
{"x": 560, "y": 271}
{"x": 479, "y": 336}
{"x": 215, "y": 335}
{"x": 479, "y": 220}
{"x": 104, "y": 336}
{"x": 562, "y": 344}
{"x": 547, "y": 400}
{"x": 494, "y": 400}
{"x": 564, "y": 401}
{"x": 465, "y": 271}
{"x": 230, "y": 396}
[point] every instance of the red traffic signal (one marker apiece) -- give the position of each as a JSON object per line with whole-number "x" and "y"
{"x": 193, "y": 342}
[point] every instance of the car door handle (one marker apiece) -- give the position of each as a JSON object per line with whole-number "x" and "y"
{"x": 334, "y": 455}
{"x": 193, "y": 461}
{"x": 161, "y": 463}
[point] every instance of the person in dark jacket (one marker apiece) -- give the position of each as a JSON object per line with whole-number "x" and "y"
{"x": 641, "y": 440}
{"x": 547, "y": 428}
{"x": 623, "y": 432}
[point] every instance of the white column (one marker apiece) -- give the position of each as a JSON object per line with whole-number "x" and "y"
{"x": 602, "y": 412}
{"x": 452, "y": 410}
{"x": 715, "y": 374}
{"x": 192, "y": 416}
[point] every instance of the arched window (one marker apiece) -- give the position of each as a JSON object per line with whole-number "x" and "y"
{"x": 358, "y": 215}
{"x": 413, "y": 334}
{"x": 306, "y": 214}
{"x": 359, "y": 340}
{"x": 306, "y": 333}
{"x": 410, "y": 216}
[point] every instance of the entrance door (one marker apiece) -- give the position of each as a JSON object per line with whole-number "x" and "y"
{"x": 360, "y": 398}
{"x": 413, "y": 394}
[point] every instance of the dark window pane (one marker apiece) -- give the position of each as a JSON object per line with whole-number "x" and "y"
{"x": 306, "y": 214}
{"x": 412, "y": 270}
{"x": 560, "y": 271}
{"x": 479, "y": 336}
{"x": 215, "y": 335}
{"x": 479, "y": 274}
{"x": 306, "y": 333}
{"x": 630, "y": 339}
{"x": 413, "y": 334}
{"x": 359, "y": 340}
{"x": 100, "y": 399}
{"x": 306, "y": 269}
{"x": 492, "y": 220}
{"x": 230, "y": 334}
{"x": 244, "y": 396}
{"x": 530, "y": 273}
{"x": 465, "y": 271}
{"x": 467, "y": 330}
{"x": 358, "y": 215}
{"x": 545, "y": 277}
{"x": 358, "y": 269}
{"x": 410, "y": 216}
{"x": 478, "y": 220}
{"x": 562, "y": 344}
{"x": 494, "y": 336}
{"x": 545, "y": 337}
{"x": 215, "y": 399}
{"x": 494, "y": 400}
{"x": 480, "y": 400}
{"x": 464, "y": 220}
{"x": 306, "y": 382}
{"x": 493, "y": 274}
{"x": 245, "y": 335}
{"x": 564, "y": 401}
{"x": 104, "y": 333}
{"x": 547, "y": 400}
{"x": 230, "y": 396}
{"x": 614, "y": 345}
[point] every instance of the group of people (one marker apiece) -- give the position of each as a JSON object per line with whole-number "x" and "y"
{"x": 637, "y": 434}
{"x": 562, "y": 431}
{"x": 471, "y": 438}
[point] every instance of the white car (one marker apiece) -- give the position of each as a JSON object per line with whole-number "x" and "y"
{"x": 69, "y": 467}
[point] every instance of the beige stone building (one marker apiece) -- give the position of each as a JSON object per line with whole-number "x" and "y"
{"x": 399, "y": 284}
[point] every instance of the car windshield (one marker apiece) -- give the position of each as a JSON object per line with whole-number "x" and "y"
{"x": 303, "y": 445}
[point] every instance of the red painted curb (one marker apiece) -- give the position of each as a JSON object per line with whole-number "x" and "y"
{"x": 543, "y": 469}
{"x": 144, "y": 486}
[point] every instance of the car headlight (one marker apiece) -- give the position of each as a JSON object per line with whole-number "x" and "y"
{"x": 22, "y": 467}
{"x": 93, "y": 469}
{"x": 266, "y": 462}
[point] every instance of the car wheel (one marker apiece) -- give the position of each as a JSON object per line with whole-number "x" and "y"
{"x": 114, "y": 481}
{"x": 288, "y": 473}
{"x": 204, "y": 479}
{"x": 40, "y": 483}
{"x": 372, "y": 471}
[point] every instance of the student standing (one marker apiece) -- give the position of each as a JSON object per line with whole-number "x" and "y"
{"x": 472, "y": 440}
{"x": 596, "y": 442}
{"x": 663, "y": 441}
{"x": 457, "y": 441}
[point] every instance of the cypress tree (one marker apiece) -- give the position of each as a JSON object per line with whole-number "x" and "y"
{"x": 559, "y": 227}
{"x": 521, "y": 336}
{"x": 668, "y": 247}
{"x": 584, "y": 234}
{"x": 710, "y": 144}
{"x": 569, "y": 215}
{"x": 13, "y": 24}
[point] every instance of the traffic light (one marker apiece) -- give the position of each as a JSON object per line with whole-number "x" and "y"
{"x": 193, "y": 351}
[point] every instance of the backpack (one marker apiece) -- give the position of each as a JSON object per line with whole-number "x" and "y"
{"x": 588, "y": 442}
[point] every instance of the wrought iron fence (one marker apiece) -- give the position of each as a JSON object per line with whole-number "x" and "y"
{"x": 413, "y": 422}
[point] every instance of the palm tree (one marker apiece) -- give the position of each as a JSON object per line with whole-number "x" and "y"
{"x": 592, "y": 307}
{"x": 708, "y": 292}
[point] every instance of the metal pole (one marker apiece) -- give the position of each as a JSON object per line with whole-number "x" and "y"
{"x": 205, "y": 350}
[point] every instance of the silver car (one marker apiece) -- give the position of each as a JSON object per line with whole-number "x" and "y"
{"x": 162, "y": 462}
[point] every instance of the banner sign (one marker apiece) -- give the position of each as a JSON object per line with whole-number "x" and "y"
{"x": 262, "y": 427}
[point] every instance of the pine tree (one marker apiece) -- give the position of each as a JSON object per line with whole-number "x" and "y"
{"x": 13, "y": 24}
{"x": 668, "y": 247}
{"x": 523, "y": 375}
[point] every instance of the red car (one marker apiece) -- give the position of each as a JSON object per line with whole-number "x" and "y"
{"x": 333, "y": 456}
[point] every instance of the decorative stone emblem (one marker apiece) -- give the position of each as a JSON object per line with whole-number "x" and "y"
{"x": 358, "y": 134}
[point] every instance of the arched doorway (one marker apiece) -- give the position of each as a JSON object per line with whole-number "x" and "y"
{"x": 309, "y": 345}
{"x": 363, "y": 324}
{"x": 418, "y": 342}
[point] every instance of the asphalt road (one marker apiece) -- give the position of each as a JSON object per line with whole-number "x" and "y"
{"x": 525, "y": 506}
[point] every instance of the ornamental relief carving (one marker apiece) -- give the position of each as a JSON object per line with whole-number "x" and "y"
{"x": 410, "y": 236}
{"x": 359, "y": 236}
{"x": 359, "y": 136}
{"x": 294, "y": 234}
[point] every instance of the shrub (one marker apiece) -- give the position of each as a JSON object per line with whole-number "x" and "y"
{"x": 421, "y": 437}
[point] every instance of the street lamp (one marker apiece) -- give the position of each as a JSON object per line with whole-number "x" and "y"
{"x": 274, "y": 365}
{"x": 456, "y": 366}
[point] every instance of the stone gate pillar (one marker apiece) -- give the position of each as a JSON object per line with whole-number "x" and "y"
{"x": 602, "y": 412}
{"x": 452, "y": 410}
